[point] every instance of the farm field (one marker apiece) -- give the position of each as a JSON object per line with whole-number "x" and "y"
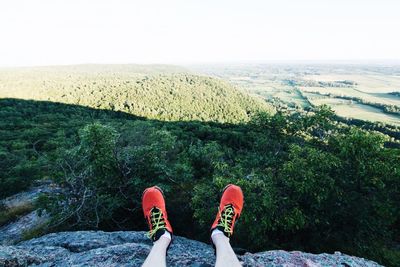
{"x": 351, "y": 109}
{"x": 365, "y": 92}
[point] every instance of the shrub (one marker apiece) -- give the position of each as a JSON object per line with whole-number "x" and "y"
{"x": 336, "y": 189}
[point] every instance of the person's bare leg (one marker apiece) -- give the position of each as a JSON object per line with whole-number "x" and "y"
{"x": 225, "y": 254}
{"x": 158, "y": 253}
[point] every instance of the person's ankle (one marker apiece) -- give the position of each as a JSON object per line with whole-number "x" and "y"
{"x": 167, "y": 235}
{"x": 166, "y": 239}
{"x": 217, "y": 234}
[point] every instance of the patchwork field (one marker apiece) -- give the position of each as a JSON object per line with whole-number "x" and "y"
{"x": 370, "y": 93}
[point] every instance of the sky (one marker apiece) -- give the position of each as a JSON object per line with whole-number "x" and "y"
{"x": 58, "y": 32}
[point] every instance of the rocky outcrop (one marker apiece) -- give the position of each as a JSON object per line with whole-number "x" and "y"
{"x": 14, "y": 231}
{"x": 29, "y": 196}
{"x": 91, "y": 248}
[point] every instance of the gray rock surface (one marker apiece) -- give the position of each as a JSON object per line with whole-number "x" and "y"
{"x": 96, "y": 248}
{"x": 14, "y": 231}
{"x": 28, "y": 196}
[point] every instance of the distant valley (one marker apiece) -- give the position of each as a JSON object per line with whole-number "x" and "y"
{"x": 365, "y": 92}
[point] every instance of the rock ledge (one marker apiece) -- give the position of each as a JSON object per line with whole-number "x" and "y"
{"x": 96, "y": 248}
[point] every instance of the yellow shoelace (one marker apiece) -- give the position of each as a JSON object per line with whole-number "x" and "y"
{"x": 226, "y": 218}
{"x": 157, "y": 222}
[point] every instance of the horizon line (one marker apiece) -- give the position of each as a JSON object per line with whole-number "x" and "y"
{"x": 227, "y": 62}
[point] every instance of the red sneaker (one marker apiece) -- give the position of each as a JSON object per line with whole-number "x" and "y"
{"x": 155, "y": 213}
{"x": 229, "y": 209}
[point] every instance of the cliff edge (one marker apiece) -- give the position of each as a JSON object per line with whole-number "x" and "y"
{"x": 97, "y": 248}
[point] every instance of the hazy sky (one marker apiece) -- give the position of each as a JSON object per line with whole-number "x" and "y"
{"x": 48, "y": 32}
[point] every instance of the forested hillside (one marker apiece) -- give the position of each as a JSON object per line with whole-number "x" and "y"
{"x": 310, "y": 183}
{"x": 163, "y": 93}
